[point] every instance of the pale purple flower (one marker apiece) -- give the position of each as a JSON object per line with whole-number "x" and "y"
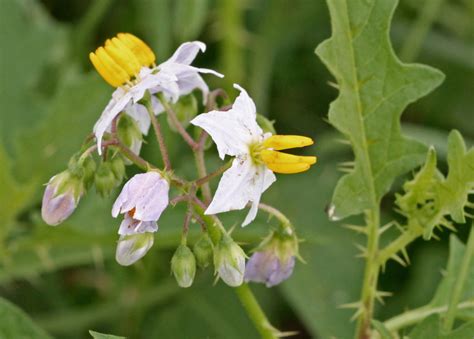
{"x": 229, "y": 262}
{"x": 142, "y": 200}
{"x": 268, "y": 268}
{"x": 60, "y": 199}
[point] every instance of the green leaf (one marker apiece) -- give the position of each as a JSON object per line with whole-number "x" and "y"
{"x": 16, "y": 324}
{"x": 430, "y": 327}
{"x": 374, "y": 89}
{"x": 429, "y": 197}
{"x": 97, "y": 335}
{"x": 13, "y": 195}
{"x": 460, "y": 178}
{"x": 29, "y": 42}
{"x": 446, "y": 286}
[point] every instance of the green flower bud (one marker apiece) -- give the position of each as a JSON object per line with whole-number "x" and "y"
{"x": 118, "y": 168}
{"x": 229, "y": 261}
{"x": 203, "y": 251}
{"x": 183, "y": 266}
{"x": 89, "y": 166}
{"x": 266, "y": 124}
{"x": 105, "y": 180}
{"x": 129, "y": 133}
{"x": 186, "y": 109}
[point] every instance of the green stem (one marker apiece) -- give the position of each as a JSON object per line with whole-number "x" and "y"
{"x": 412, "y": 45}
{"x": 202, "y": 172}
{"x": 397, "y": 245}
{"x": 255, "y": 312}
{"x": 369, "y": 287}
{"x": 205, "y": 179}
{"x": 460, "y": 282}
{"x": 415, "y": 316}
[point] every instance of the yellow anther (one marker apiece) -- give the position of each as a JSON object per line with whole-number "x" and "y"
{"x": 280, "y": 142}
{"x": 105, "y": 71}
{"x": 288, "y": 168}
{"x": 274, "y": 157}
{"x": 142, "y": 52}
{"x": 122, "y": 56}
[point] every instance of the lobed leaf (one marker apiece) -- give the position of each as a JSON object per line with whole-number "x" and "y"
{"x": 374, "y": 89}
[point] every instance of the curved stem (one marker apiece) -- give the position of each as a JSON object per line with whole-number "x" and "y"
{"x": 460, "y": 282}
{"x": 136, "y": 159}
{"x": 415, "y": 316}
{"x": 255, "y": 312}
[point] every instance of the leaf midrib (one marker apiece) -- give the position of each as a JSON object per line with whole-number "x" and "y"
{"x": 360, "y": 117}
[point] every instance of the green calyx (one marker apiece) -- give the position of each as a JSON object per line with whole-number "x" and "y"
{"x": 203, "y": 250}
{"x": 183, "y": 266}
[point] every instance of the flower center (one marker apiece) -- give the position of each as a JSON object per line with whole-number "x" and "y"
{"x": 121, "y": 58}
{"x": 279, "y": 162}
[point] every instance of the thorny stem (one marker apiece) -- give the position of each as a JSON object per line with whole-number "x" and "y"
{"x": 179, "y": 127}
{"x": 255, "y": 312}
{"x": 460, "y": 283}
{"x": 159, "y": 135}
{"x": 369, "y": 287}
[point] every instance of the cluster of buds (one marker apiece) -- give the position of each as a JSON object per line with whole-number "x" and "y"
{"x": 143, "y": 91}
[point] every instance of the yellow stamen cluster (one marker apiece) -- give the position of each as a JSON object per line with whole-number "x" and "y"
{"x": 121, "y": 58}
{"x": 280, "y": 162}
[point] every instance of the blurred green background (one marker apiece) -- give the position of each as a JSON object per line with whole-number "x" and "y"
{"x": 66, "y": 279}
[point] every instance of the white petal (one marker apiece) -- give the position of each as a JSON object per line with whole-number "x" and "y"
{"x": 140, "y": 114}
{"x": 119, "y": 100}
{"x": 130, "y": 226}
{"x": 247, "y": 110}
{"x": 186, "y": 53}
{"x": 131, "y": 248}
{"x": 230, "y": 133}
{"x": 241, "y": 183}
{"x": 147, "y": 193}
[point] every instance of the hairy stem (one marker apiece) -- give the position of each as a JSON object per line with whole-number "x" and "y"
{"x": 204, "y": 180}
{"x": 460, "y": 282}
{"x": 177, "y": 124}
{"x": 255, "y": 312}
{"x": 369, "y": 287}
{"x": 159, "y": 135}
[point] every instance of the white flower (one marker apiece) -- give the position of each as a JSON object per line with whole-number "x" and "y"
{"x": 236, "y": 133}
{"x": 127, "y": 63}
{"x": 131, "y": 248}
{"x": 142, "y": 200}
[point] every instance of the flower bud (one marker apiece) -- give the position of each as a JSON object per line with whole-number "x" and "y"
{"x": 131, "y": 248}
{"x": 129, "y": 133}
{"x": 105, "y": 180}
{"x": 118, "y": 168}
{"x": 183, "y": 266}
{"x": 203, "y": 251}
{"x": 89, "y": 168}
{"x": 274, "y": 260}
{"x": 61, "y": 196}
{"x": 229, "y": 261}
